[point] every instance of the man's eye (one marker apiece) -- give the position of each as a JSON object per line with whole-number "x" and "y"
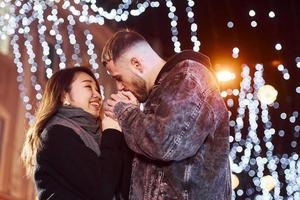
{"x": 117, "y": 78}
{"x": 88, "y": 86}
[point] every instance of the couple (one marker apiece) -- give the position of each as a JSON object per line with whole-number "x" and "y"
{"x": 180, "y": 140}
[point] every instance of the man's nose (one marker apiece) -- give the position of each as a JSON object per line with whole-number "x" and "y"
{"x": 120, "y": 86}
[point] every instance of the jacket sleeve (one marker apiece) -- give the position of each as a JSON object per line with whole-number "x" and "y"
{"x": 176, "y": 127}
{"x": 67, "y": 169}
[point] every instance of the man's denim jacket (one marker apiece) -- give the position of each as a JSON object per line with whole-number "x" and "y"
{"x": 181, "y": 138}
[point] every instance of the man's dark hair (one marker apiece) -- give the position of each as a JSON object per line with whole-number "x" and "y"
{"x": 118, "y": 43}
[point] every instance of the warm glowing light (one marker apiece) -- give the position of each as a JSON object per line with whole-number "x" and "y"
{"x": 267, "y": 183}
{"x": 267, "y": 94}
{"x": 254, "y": 24}
{"x": 230, "y": 24}
{"x": 224, "y": 94}
{"x": 278, "y": 46}
{"x": 252, "y": 13}
{"x": 235, "y": 55}
{"x": 235, "y": 50}
{"x": 280, "y": 67}
{"x": 276, "y": 62}
{"x": 235, "y": 181}
{"x": 4, "y": 46}
{"x": 224, "y": 76}
{"x": 271, "y": 14}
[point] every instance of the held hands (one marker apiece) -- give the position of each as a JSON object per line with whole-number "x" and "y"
{"x": 108, "y": 122}
{"x": 121, "y": 96}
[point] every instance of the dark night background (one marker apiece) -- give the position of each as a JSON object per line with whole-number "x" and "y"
{"x": 20, "y": 78}
{"x": 256, "y": 45}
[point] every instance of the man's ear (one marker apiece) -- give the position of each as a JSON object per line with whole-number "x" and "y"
{"x": 137, "y": 64}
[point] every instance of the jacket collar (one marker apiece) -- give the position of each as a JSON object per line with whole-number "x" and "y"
{"x": 184, "y": 55}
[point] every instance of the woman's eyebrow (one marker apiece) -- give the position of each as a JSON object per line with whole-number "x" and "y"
{"x": 89, "y": 81}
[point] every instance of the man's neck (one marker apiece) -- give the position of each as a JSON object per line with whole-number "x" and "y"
{"x": 155, "y": 71}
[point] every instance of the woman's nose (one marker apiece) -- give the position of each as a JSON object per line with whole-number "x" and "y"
{"x": 96, "y": 94}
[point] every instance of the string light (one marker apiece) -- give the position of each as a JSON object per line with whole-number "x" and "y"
{"x": 21, "y": 79}
{"x": 252, "y": 13}
{"x": 58, "y": 37}
{"x": 121, "y": 13}
{"x": 235, "y": 52}
{"x": 42, "y": 28}
{"x": 7, "y": 19}
{"x": 278, "y": 47}
{"x": 230, "y": 24}
{"x": 250, "y": 100}
{"x": 194, "y": 26}
{"x": 253, "y": 24}
{"x": 174, "y": 29}
{"x": 284, "y": 71}
{"x": 267, "y": 94}
{"x": 271, "y": 14}
{"x": 297, "y": 62}
{"x": 76, "y": 57}
{"x": 239, "y": 124}
{"x": 91, "y": 53}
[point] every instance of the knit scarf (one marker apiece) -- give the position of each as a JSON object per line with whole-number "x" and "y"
{"x": 81, "y": 122}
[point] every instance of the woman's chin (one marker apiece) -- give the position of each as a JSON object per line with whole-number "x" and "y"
{"x": 96, "y": 114}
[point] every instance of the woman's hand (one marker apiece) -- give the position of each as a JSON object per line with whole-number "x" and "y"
{"x": 122, "y": 96}
{"x": 108, "y": 122}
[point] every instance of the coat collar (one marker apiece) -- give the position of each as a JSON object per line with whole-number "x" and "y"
{"x": 184, "y": 55}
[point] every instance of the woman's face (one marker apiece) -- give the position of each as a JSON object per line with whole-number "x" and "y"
{"x": 84, "y": 94}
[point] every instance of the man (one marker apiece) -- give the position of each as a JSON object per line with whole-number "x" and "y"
{"x": 181, "y": 138}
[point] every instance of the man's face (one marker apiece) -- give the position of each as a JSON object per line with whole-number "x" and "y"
{"x": 128, "y": 79}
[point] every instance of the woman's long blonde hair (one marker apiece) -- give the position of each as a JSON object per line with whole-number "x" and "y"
{"x": 56, "y": 86}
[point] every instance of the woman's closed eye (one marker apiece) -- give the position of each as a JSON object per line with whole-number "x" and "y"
{"x": 91, "y": 88}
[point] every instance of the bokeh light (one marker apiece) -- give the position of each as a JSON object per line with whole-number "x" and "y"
{"x": 224, "y": 76}
{"x": 267, "y": 94}
{"x": 258, "y": 114}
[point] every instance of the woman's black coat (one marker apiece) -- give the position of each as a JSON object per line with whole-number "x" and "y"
{"x": 68, "y": 170}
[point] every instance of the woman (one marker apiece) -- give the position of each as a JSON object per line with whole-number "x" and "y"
{"x": 66, "y": 152}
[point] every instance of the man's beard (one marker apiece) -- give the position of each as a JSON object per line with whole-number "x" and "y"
{"x": 139, "y": 88}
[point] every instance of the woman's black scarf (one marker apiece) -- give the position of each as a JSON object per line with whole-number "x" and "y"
{"x": 81, "y": 122}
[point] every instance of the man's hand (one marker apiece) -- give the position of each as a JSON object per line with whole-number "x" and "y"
{"x": 133, "y": 100}
{"x": 121, "y": 96}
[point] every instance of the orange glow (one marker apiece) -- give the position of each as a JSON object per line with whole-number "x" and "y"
{"x": 225, "y": 70}
{"x": 225, "y": 75}
{"x": 275, "y": 63}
